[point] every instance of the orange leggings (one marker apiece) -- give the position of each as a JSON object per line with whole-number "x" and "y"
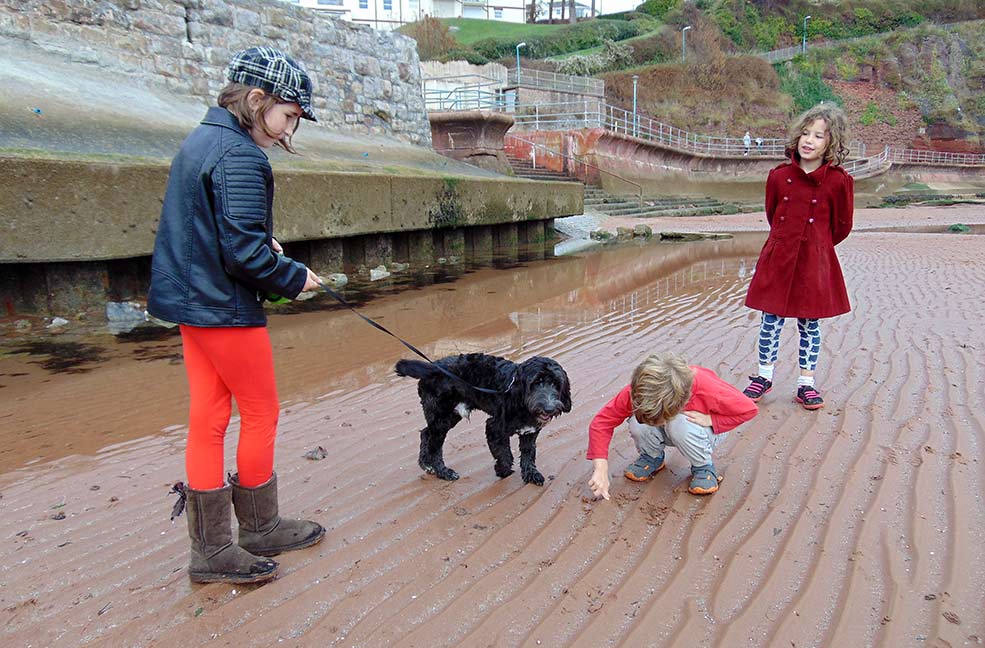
{"x": 226, "y": 363}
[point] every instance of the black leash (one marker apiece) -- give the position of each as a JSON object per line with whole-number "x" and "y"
{"x": 339, "y": 298}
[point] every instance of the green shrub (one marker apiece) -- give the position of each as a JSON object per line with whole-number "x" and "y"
{"x": 768, "y": 31}
{"x": 807, "y": 90}
{"x": 613, "y": 56}
{"x": 659, "y": 8}
{"x": 873, "y": 113}
{"x": 847, "y": 67}
{"x": 580, "y": 36}
{"x": 463, "y": 54}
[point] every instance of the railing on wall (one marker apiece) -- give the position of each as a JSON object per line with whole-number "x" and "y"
{"x": 917, "y": 156}
{"x": 551, "y": 81}
{"x": 463, "y": 92}
{"x": 464, "y": 98}
{"x": 592, "y": 113}
{"x": 597, "y": 114}
{"x": 576, "y": 160}
{"x": 868, "y": 166}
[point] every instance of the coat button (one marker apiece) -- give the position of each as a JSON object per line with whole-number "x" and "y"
{"x": 810, "y": 220}
{"x": 814, "y": 200}
{"x": 783, "y": 218}
{"x": 789, "y": 180}
{"x": 786, "y": 198}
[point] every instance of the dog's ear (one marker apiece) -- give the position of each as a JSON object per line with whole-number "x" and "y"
{"x": 565, "y": 384}
{"x": 528, "y": 372}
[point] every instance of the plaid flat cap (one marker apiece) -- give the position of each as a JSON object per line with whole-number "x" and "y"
{"x": 274, "y": 71}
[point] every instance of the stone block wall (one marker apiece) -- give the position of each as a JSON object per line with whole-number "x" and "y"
{"x": 366, "y": 81}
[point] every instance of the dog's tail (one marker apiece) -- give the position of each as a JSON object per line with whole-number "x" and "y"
{"x": 413, "y": 368}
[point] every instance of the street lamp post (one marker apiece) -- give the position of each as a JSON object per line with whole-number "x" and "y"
{"x": 684, "y": 42}
{"x": 803, "y": 47}
{"x": 636, "y": 79}
{"x": 518, "y": 46}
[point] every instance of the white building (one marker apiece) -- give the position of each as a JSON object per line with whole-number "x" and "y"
{"x": 564, "y": 6}
{"x": 390, "y": 14}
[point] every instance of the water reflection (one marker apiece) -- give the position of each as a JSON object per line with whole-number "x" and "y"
{"x": 135, "y": 384}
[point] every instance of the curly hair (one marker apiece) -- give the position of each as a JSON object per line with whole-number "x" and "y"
{"x": 834, "y": 117}
{"x": 660, "y": 388}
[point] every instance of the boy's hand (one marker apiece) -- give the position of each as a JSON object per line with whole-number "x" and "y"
{"x": 599, "y": 483}
{"x": 702, "y": 419}
{"x": 278, "y": 248}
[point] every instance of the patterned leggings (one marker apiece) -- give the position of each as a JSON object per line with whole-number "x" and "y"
{"x": 769, "y": 340}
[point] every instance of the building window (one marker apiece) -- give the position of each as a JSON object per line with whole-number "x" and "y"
{"x": 364, "y": 4}
{"x": 387, "y": 5}
{"x": 413, "y": 5}
{"x": 330, "y": 3}
{"x": 498, "y": 13}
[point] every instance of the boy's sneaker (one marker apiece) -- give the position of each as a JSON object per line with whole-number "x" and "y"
{"x": 758, "y": 387}
{"x": 704, "y": 480}
{"x": 644, "y": 468}
{"x": 809, "y": 397}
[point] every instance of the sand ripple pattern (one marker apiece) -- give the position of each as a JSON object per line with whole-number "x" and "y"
{"x": 862, "y": 524}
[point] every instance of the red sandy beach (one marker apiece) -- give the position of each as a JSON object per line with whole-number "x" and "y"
{"x": 861, "y": 524}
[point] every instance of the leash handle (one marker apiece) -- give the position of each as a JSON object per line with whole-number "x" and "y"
{"x": 339, "y": 298}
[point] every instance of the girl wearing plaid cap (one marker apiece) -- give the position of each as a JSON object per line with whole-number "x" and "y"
{"x": 215, "y": 261}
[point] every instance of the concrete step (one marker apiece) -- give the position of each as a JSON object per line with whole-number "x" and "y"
{"x": 619, "y": 210}
{"x": 596, "y": 202}
{"x": 548, "y": 178}
{"x": 682, "y": 212}
{"x": 540, "y": 173}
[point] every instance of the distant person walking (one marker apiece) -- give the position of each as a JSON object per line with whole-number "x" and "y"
{"x": 215, "y": 261}
{"x": 809, "y": 206}
{"x": 759, "y": 145}
{"x": 746, "y": 143}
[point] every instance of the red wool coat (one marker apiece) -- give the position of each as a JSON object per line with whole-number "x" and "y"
{"x": 798, "y": 274}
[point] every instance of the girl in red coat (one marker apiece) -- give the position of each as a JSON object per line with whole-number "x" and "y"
{"x": 809, "y": 204}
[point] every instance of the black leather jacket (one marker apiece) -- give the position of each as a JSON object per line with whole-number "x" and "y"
{"x": 213, "y": 261}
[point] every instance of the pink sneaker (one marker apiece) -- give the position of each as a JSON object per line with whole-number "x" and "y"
{"x": 809, "y": 398}
{"x": 758, "y": 387}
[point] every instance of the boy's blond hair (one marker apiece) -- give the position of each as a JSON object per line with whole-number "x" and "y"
{"x": 660, "y": 388}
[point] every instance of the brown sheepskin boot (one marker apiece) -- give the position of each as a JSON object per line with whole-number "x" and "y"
{"x": 261, "y": 530}
{"x": 214, "y": 556}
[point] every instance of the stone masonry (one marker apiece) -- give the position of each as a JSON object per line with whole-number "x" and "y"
{"x": 366, "y": 81}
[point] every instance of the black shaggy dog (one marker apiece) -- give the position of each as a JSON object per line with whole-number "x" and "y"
{"x": 538, "y": 391}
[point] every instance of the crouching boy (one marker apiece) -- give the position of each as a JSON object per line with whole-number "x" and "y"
{"x": 668, "y": 403}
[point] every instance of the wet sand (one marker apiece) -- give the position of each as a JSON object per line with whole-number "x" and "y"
{"x": 861, "y": 524}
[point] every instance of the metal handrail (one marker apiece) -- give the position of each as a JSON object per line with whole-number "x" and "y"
{"x": 464, "y": 98}
{"x": 639, "y": 187}
{"x": 599, "y": 114}
{"x": 861, "y": 167}
{"x": 918, "y": 156}
{"x": 541, "y": 80}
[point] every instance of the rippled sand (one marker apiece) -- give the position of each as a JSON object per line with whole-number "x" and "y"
{"x": 861, "y": 524}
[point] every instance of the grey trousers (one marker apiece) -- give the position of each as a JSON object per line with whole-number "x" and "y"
{"x": 695, "y": 442}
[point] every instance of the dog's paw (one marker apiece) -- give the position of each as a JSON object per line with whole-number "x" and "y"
{"x": 503, "y": 471}
{"x": 533, "y": 477}
{"x": 446, "y": 473}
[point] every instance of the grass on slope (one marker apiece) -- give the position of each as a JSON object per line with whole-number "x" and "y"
{"x": 472, "y": 30}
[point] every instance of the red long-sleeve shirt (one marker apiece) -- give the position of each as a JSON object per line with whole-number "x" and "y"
{"x": 711, "y": 395}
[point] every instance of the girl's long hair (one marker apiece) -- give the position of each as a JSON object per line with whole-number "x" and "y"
{"x": 234, "y": 99}
{"x": 834, "y": 117}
